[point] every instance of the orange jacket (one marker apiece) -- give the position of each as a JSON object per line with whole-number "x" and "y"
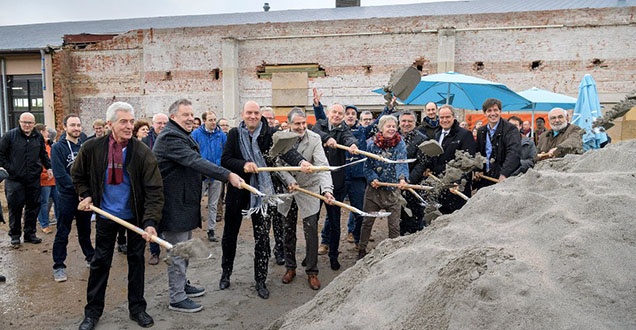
{"x": 44, "y": 178}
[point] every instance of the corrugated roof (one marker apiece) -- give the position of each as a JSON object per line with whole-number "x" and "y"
{"x": 34, "y": 36}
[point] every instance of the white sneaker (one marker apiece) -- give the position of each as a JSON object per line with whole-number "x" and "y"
{"x": 59, "y": 274}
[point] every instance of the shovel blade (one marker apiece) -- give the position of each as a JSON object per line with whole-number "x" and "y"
{"x": 190, "y": 249}
{"x": 376, "y": 214}
{"x": 401, "y": 161}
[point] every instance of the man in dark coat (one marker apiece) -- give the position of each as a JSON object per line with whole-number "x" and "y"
{"x": 119, "y": 174}
{"x": 334, "y": 131}
{"x": 159, "y": 121}
{"x": 528, "y": 149}
{"x": 500, "y": 142}
{"x": 182, "y": 169}
{"x": 247, "y": 149}
{"x": 430, "y": 124}
{"x": 452, "y": 138}
{"x": 22, "y": 154}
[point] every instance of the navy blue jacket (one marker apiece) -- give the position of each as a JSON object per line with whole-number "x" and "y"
{"x": 210, "y": 143}
{"x": 63, "y": 154}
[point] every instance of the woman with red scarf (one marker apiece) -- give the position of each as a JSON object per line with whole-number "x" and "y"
{"x": 387, "y": 143}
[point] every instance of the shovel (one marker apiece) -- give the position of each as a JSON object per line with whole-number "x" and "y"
{"x": 452, "y": 190}
{"x": 313, "y": 168}
{"x": 193, "y": 248}
{"x": 377, "y": 157}
{"x": 409, "y": 186}
{"x": 267, "y": 200}
{"x": 431, "y": 148}
{"x": 343, "y": 205}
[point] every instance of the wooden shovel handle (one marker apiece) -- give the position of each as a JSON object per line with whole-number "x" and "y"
{"x": 489, "y": 178}
{"x": 323, "y": 198}
{"x": 409, "y": 186}
{"x": 362, "y": 152}
{"x": 452, "y": 190}
{"x": 130, "y": 226}
{"x": 292, "y": 168}
{"x": 250, "y": 189}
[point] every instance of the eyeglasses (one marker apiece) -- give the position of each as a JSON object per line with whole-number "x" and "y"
{"x": 27, "y": 122}
{"x": 557, "y": 117}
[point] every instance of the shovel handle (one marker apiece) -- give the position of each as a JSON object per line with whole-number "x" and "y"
{"x": 362, "y": 152}
{"x": 292, "y": 168}
{"x": 409, "y": 186}
{"x": 251, "y": 189}
{"x": 130, "y": 226}
{"x": 452, "y": 190}
{"x": 323, "y": 198}
{"x": 489, "y": 178}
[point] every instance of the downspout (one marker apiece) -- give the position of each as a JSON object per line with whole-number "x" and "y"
{"x": 43, "y": 70}
{"x": 4, "y": 115}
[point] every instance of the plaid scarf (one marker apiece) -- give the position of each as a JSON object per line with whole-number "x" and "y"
{"x": 116, "y": 160}
{"x": 385, "y": 143}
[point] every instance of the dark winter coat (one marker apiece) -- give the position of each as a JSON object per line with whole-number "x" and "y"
{"x": 342, "y": 134}
{"x": 150, "y": 139}
{"x": 528, "y": 152}
{"x": 23, "y": 156}
{"x": 232, "y": 159}
{"x": 428, "y": 129}
{"x": 457, "y": 139}
{"x": 182, "y": 169}
{"x": 506, "y": 148}
{"x": 416, "y": 168}
{"x": 146, "y": 187}
{"x": 62, "y": 159}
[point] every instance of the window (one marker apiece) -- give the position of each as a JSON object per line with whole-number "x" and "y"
{"x": 25, "y": 95}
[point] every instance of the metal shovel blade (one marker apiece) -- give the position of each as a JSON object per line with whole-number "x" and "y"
{"x": 378, "y": 214}
{"x": 400, "y": 161}
{"x": 431, "y": 148}
{"x": 282, "y": 142}
{"x": 335, "y": 168}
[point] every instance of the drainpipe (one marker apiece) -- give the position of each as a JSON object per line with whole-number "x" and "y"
{"x": 4, "y": 114}
{"x": 43, "y": 70}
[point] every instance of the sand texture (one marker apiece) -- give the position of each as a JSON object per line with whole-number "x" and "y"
{"x": 552, "y": 249}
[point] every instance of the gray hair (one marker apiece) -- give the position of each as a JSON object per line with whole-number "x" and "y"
{"x": 565, "y": 113}
{"x": 156, "y": 116}
{"x": 172, "y": 110}
{"x": 408, "y": 113}
{"x": 384, "y": 119}
{"x": 366, "y": 112}
{"x": 295, "y": 111}
{"x": 267, "y": 109}
{"x": 334, "y": 105}
{"x": 449, "y": 107}
{"x": 111, "y": 112}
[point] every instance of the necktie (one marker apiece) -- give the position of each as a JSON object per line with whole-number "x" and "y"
{"x": 441, "y": 138}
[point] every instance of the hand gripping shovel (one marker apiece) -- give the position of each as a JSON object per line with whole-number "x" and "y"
{"x": 313, "y": 168}
{"x": 343, "y": 205}
{"x": 193, "y": 248}
{"x": 377, "y": 157}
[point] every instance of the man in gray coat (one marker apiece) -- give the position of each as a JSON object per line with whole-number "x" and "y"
{"x": 528, "y": 149}
{"x": 182, "y": 169}
{"x": 310, "y": 147}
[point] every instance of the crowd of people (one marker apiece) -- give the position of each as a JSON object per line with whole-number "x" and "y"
{"x": 143, "y": 172}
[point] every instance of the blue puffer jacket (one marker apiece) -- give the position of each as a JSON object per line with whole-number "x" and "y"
{"x": 210, "y": 143}
{"x": 384, "y": 172}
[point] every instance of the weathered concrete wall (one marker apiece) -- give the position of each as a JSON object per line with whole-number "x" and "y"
{"x": 153, "y": 68}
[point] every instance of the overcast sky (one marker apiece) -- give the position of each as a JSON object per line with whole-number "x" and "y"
{"x": 14, "y": 12}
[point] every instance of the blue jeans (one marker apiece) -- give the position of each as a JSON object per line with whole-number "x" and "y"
{"x": 68, "y": 211}
{"x": 355, "y": 190}
{"x": 47, "y": 192}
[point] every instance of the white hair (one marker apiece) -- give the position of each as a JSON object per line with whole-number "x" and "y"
{"x": 111, "y": 113}
{"x": 157, "y": 115}
{"x": 267, "y": 109}
{"x": 384, "y": 119}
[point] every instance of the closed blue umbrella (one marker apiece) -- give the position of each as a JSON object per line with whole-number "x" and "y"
{"x": 461, "y": 91}
{"x": 587, "y": 109}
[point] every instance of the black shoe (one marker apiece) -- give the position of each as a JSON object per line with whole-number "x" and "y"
{"x": 88, "y": 323}
{"x": 211, "y": 237}
{"x": 192, "y": 291}
{"x": 143, "y": 319}
{"x": 15, "y": 242}
{"x": 123, "y": 248}
{"x": 262, "y": 291}
{"x": 304, "y": 262}
{"x": 32, "y": 239}
{"x": 280, "y": 260}
{"x": 335, "y": 265}
{"x": 225, "y": 281}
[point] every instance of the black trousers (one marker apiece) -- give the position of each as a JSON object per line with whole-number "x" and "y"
{"x": 414, "y": 222}
{"x": 260, "y": 224}
{"x": 278, "y": 227}
{"x": 22, "y": 195}
{"x": 106, "y": 233}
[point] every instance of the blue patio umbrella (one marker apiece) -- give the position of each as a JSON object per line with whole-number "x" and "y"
{"x": 461, "y": 91}
{"x": 543, "y": 100}
{"x": 586, "y": 110}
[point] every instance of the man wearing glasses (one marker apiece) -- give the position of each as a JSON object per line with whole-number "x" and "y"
{"x": 22, "y": 154}
{"x": 562, "y": 139}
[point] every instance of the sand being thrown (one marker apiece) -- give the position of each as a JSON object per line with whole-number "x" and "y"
{"x": 552, "y": 249}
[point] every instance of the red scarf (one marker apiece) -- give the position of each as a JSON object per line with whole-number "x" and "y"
{"x": 116, "y": 160}
{"x": 385, "y": 143}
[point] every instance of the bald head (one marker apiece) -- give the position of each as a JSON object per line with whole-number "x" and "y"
{"x": 27, "y": 122}
{"x": 558, "y": 119}
{"x": 251, "y": 115}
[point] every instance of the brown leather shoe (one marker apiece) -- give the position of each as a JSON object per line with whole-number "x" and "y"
{"x": 289, "y": 276}
{"x": 313, "y": 282}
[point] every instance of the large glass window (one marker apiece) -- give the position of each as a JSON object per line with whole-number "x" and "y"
{"x": 25, "y": 95}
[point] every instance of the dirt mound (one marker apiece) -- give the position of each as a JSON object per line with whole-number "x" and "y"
{"x": 552, "y": 249}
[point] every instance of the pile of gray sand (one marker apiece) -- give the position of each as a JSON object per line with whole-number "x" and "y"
{"x": 552, "y": 249}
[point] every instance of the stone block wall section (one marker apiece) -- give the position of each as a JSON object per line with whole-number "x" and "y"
{"x": 152, "y": 68}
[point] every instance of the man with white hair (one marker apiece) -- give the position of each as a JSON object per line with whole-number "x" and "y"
{"x": 22, "y": 154}
{"x": 562, "y": 139}
{"x": 118, "y": 174}
{"x": 159, "y": 121}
